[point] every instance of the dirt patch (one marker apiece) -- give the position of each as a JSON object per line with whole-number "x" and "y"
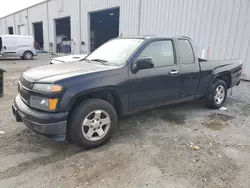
{"x": 245, "y": 110}
{"x": 23, "y": 167}
{"x": 112, "y": 162}
{"x": 217, "y": 121}
{"x": 174, "y": 118}
{"x": 203, "y": 169}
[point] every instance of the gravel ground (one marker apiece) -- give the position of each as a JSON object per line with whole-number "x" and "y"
{"x": 150, "y": 149}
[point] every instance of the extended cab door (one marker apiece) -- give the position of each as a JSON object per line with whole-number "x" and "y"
{"x": 190, "y": 69}
{"x": 159, "y": 85}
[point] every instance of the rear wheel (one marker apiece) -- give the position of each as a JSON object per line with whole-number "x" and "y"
{"x": 28, "y": 55}
{"x": 92, "y": 123}
{"x": 217, "y": 95}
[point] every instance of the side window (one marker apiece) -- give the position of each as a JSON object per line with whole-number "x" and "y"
{"x": 162, "y": 53}
{"x": 185, "y": 51}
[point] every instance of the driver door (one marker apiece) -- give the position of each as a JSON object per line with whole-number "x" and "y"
{"x": 159, "y": 85}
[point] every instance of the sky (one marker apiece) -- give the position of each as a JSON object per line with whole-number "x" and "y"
{"x": 10, "y": 6}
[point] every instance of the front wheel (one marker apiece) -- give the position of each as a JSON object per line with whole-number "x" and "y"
{"x": 28, "y": 55}
{"x": 217, "y": 95}
{"x": 92, "y": 123}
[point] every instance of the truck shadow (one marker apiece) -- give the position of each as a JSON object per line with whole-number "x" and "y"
{"x": 174, "y": 115}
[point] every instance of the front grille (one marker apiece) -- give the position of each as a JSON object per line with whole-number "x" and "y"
{"x": 23, "y": 89}
{"x": 25, "y": 83}
{"x": 25, "y": 97}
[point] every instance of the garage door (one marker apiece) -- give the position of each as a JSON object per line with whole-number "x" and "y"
{"x": 21, "y": 30}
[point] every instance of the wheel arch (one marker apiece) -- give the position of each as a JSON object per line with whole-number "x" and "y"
{"x": 108, "y": 94}
{"x": 28, "y": 51}
{"x": 225, "y": 76}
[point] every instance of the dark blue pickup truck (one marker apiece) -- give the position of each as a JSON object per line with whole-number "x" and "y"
{"x": 82, "y": 100}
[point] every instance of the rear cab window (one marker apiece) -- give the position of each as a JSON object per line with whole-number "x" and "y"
{"x": 186, "y": 52}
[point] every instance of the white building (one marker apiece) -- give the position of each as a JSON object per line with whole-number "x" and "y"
{"x": 219, "y": 28}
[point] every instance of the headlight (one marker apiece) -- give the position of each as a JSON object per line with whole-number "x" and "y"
{"x": 42, "y": 103}
{"x": 47, "y": 87}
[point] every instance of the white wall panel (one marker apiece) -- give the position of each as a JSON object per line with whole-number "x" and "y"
{"x": 233, "y": 29}
{"x": 245, "y": 45}
{"x": 203, "y": 22}
{"x": 208, "y": 27}
{"x": 226, "y": 30}
{"x": 191, "y": 27}
{"x": 220, "y": 29}
{"x": 240, "y": 29}
{"x": 2, "y": 26}
{"x": 10, "y": 22}
{"x": 21, "y": 23}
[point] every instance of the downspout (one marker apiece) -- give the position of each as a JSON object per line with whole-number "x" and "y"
{"x": 15, "y": 33}
{"x": 80, "y": 25}
{"x": 6, "y": 29}
{"x": 28, "y": 21}
{"x": 47, "y": 5}
{"x": 139, "y": 18}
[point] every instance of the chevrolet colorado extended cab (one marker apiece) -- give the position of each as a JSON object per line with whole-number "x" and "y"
{"x": 82, "y": 100}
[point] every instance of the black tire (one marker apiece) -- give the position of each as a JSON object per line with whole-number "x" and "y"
{"x": 28, "y": 55}
{"x": 22, "y": 58}
{"x": 211, "y": 99}
{"x": 78, "y": 115}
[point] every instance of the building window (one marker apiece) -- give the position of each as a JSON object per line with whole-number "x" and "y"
{"x": 10, "y": 30}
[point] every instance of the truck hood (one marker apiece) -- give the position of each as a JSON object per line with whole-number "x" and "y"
{"x": 68, "y": 58}
{"x": 52, "y": 73}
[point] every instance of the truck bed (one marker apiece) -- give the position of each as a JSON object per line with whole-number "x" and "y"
{"x": 233, "y": 68}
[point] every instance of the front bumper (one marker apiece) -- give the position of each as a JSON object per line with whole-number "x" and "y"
{"x": 53, "y": 125}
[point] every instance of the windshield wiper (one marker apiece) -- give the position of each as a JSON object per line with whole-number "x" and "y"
{"x": 99, "y": 60}
{"x": 86, "y": 60}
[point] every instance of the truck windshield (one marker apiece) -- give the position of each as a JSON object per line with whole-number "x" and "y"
{"x": 115, "y": 52}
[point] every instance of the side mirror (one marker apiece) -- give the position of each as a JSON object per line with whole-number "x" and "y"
{"x": 142, "y": 63}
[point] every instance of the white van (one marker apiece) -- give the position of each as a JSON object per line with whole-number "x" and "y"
{"x": 17, "y": 46}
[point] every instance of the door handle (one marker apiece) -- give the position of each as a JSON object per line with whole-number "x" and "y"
{"x": 174, "y": 72}
{"x": 4, "y": 47}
